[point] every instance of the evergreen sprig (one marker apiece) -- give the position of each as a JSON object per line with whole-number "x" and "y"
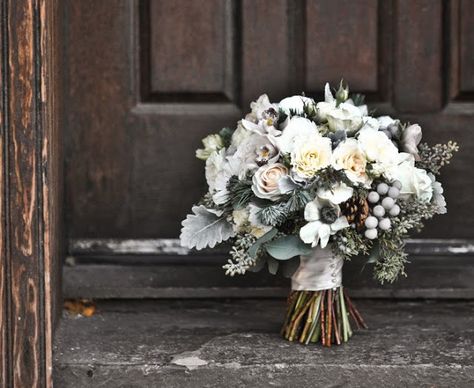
{"x": 240, "y": 192}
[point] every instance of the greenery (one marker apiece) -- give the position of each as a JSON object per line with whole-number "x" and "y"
{"x": 437, "y": 156}
{"x": 240, "y": 260}
{"x": 226, "y": 135}
{"x": 240, "y": 192}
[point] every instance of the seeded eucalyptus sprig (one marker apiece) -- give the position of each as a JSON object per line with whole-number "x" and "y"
{"x": 437, "y": 156}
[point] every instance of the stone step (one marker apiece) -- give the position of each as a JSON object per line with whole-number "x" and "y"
{"x": 235, "y": 343}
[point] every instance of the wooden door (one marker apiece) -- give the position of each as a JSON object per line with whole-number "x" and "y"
{"x": 31, "y": 230}
{"x": 146, "y": 80}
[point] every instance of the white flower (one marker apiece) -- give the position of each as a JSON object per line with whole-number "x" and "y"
{"x": 259, "y": 107}
{"x": 211, "y": 143}
{"x": 249, "y": 150}
{"x": 310, "y": 155}
{"x": 246, "y": 220}
{"x": 378, "y": 149}
{"x": 214, "y": 165}
{"x": 324, "y": 220}
{"x": 298, "y": 127}
{"x": 265, "y": 181}
{"x": 411, "y": 137}
{"x": 415, "y": 181}
{"x": 438, "y": 197}
{"x": 337, "y": 194}
{"x": 239, "y": 135}
{"x": 256, "y": 228}
{"x": 350, "y": 157}
{"x": 386, "y": 121}
{"x": 295, "y": 104}
{"x": 346, "y": 116}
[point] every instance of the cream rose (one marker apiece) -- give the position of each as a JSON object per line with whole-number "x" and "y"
{"x": 348, "y": 156}
{"x": 311, "y": 154}
{"x": 265, "y": 181}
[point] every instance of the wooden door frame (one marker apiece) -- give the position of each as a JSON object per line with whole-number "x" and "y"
{"x": 30, "y": 179}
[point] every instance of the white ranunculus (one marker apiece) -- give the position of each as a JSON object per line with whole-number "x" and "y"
{"x": 297, "y": 127}
{"x": 265, "y": 181}
{"x": 415, "y": 181}
{"x": 350, "y": 157}
{"x": 411, "y": 137}
{"x": 311, "y": 154}
{"x": 324, "y": 219}
{"x": 378, "y": 149}
{"x": 295, "y": 104}
{"x": 337, "y": 194}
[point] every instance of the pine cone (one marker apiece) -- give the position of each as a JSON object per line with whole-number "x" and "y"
{"x": 356, "y": 210}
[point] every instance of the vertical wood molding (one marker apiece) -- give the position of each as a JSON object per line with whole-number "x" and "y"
{"x": 30, "y": 191}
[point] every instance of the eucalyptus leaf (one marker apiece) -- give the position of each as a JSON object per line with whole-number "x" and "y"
{"x": 257, "y": 244}
{"x": 205, "y": 228}
{"x": 272, "y": 265}
{"x": 289, "y": 267}
{"x": 284, "y": 248}
{"x": 260, "y": 263}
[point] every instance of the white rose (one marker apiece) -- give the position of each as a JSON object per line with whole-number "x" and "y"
{"x": 386, "y": 122}
{"x": 265, "y": 181}
{"x": 378, "y": 149}
{"x": 349, "y": 156}
{"x": 415, "y": 181}
{"x": 310, "y": 155}
{"x": 345, "y": 117}
{"x": 297, "y": 127}
{"x": 295, "y": 104}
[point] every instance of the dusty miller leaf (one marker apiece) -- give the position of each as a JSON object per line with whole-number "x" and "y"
{"x": 205, "y": 228}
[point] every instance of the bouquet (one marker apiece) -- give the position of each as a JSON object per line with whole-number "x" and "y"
{"x": 300, "y": 186}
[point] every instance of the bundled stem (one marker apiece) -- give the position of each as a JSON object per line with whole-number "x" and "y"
{"x": 314, "y": 316}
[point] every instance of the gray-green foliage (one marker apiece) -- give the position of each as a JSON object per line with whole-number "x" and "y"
{"x": 205, "y": 228}
{"x": 437, "y": 156}
{"x": 240, "y": 260}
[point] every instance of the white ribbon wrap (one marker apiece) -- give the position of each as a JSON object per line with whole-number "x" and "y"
{"x": 319, "y": 271}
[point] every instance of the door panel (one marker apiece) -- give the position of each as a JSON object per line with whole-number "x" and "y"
{"x": 148, "y": 79}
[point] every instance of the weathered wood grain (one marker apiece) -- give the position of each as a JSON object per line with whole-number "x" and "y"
{"x": 30, "y": 187}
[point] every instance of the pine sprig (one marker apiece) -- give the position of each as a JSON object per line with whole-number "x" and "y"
{"x": 240, "y": 192}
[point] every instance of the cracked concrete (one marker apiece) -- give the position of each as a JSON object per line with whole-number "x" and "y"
{"x": 235, "y": 343}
